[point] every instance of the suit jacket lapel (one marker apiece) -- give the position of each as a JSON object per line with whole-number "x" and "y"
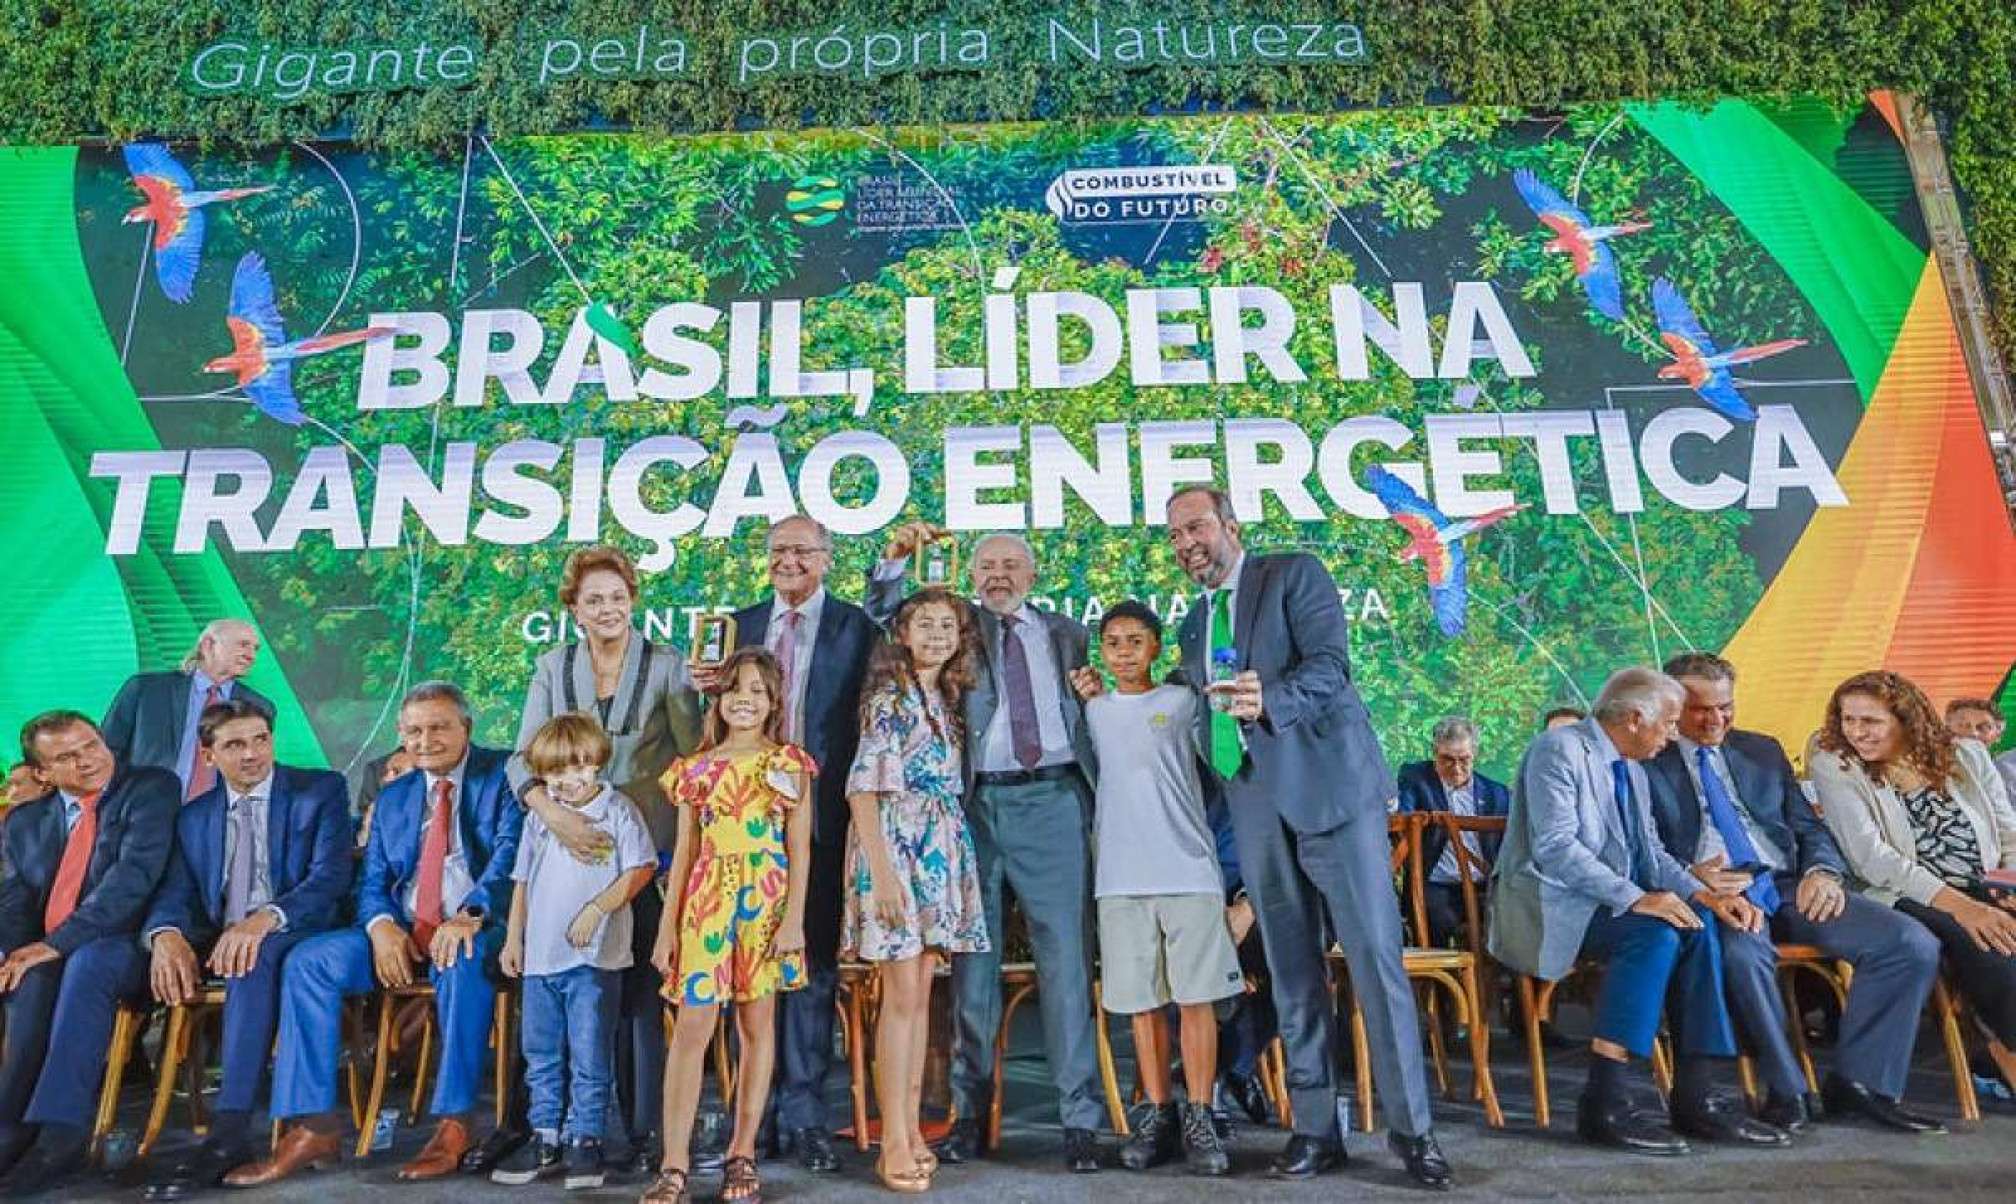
{"x": 279, "y": 806}
{"x": 178, "y": 715}
{"x": 757, "y": 628}
{"x": 986, "y": 695}
{"x": 825, "y": 675}
{"x": 1247, "y": 607}
{"x": 1686, "y": 800}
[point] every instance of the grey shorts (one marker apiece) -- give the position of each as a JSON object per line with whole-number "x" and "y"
{"x": 1160, "y": 949}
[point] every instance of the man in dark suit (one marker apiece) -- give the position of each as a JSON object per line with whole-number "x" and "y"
{"x": 436, "y": 888}
{"x": 1450, "y": 783}
{"x": 1029, "y": 774}
{"x": 1293, "y": 750}
{"x": 822, "y": 644}
{"x": 76, "y": 871}
{"x": 153, "y": 718}
{"x": 1727, "y": 801}
{"x": 262, "y": 861}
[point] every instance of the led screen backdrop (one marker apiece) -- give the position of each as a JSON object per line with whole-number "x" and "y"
{"x": 1548, "y": 393}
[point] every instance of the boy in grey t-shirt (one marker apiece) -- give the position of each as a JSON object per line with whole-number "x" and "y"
{"x": 569, "y": 937}
{"x": 1161, "y": 900}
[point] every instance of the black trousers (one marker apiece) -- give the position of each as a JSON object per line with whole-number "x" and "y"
{"x": 1985, "y": 977}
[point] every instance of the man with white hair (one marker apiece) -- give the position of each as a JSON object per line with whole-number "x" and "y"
{"x": 1028, "y": 764}
{"x": 1582, "y": 877}
{"x": 152, "y": 720}
{"x": 1450, "y": 782}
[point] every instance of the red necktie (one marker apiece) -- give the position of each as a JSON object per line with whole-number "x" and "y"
{"x": 433, "y": 856}
{"x": 70, "y": 871}
{"x": 202, "y": 775}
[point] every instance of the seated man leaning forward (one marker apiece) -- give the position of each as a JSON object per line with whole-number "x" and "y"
{"x": 1582, "y": 876}
{"x": 436, "y": 890}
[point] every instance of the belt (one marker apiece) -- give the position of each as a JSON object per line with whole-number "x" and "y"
{"x": 1023, "y": 777}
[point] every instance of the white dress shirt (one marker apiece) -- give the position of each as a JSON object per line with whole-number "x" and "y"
{"x": 1712, "y": 844}
{"x": 997, "y": 746}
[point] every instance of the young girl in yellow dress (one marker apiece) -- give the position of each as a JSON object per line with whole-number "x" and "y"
{"x": 734, "y": 928}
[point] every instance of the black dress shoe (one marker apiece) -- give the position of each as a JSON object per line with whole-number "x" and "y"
{"x": 814, "y": 1147}
{"x": 1621, "y": 1127}
{"x": 1424, "y": 1160}
{"x": 41, "y": 1171}
{"x": 1712, "y": 1118}
{"x": 1245, "y": 1091}
{"x": 501, "y": 1144}
{"x": 1845, "y": 1098}
{"x": 199, "y": 1171}
{"x": 960, "y": 1144}
{"x": 641, "y": 1162}
{"x": 1787, "y": 1112}
{"x": 1305, "y": 1156}
{"x": 1081, "y": 1151}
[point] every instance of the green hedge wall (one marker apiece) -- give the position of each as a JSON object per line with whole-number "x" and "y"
{"x": 113, "y": 68}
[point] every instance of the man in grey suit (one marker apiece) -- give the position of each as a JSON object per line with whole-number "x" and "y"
{"x": 1727, "y": 800}
{"x": 1306, "y": 787}
{"x": 1029, "y": 766}
{"x": 1582, "y": 875}
{"x": 152, "y": 720}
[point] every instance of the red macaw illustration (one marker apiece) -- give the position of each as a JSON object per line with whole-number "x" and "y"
{"x": 1697, "y": 362}
{"x": 175, "y": 206}
{"x": 1581, "y": 240}
{"x": 1435, "y": 540}
{"x": 261, "y": 355}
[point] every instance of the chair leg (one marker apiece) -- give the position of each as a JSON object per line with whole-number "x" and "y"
{"x": 1438, "y": 1053}
{"x": 174, "y": 1048}
{"x": 1361, "y": 1057}
{"x": 857, "y": 1065}
{"x": 381, "y": 1060}
{"x": 1000, "y": 1056}
{"x": 1956, "y": 1049}
{"x": 501, "y": 1064}
{"x": 1536, "y": 1051}
{"x": 1662, "y": 1065}
{"x": 1746, "y": 1078}
{"x": 353, "y": 1081}
{"x": 419, "y": 1096}
{"x": 1276, "y": 1058}
{"x": 1480, "y": 1048}
{"x": 1109, "y": 1078}
{"x": 125, "y": 1022}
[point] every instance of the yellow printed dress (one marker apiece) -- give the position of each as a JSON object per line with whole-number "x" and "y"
{"x": 734, "y": 898}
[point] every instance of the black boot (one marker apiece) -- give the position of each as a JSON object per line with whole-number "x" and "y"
{"x": 1202, "y": 1151}
{"x": 1157, "y": 1138}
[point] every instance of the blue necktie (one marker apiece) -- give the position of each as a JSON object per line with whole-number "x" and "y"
{"x": 1742, "y": 854}
{"x": 1620, "y": 789}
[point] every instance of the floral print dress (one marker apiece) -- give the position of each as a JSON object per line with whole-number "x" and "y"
{"x": 909, "y": 755}
{"x": 734, "y": 898}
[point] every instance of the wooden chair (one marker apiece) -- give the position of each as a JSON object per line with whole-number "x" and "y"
{"x": 1947, "y": 1008}
{"x": 389, "y": 1002}
{"x": 1018, "y": 983}
{"x": 1454, "y": 971}
{"x": 1793, "y": 961}
{"x": 854, "y": 998}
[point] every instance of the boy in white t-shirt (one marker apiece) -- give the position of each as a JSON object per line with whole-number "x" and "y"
{"x": 570, "y": 939}
{"x": 1161, "y": 899}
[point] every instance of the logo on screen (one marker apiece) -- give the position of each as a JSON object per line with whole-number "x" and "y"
{"x": 1119, "y": 195}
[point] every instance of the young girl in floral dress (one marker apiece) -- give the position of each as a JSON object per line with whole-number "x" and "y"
{"x": 912, "y": 884}
{"x": 734, "y": 930}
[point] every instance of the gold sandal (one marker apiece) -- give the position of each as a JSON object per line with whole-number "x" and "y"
{"x": 910, "y": 1182}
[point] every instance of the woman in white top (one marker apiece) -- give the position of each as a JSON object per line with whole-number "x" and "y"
{"x": 1921, "y": 816}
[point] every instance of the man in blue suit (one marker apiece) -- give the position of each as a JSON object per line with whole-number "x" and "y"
{"x": 823, "y": 644}
{"x": 1582, "y": 875}
{"x": 1290, "y": 744}
{"x": 152, "y": 720}
{"x": 1450, "y": 783}
{"x": 1727, "y": 800}
{"x": 76, "y": 871}
{"x": 436, "y": 887}
{"x": 262, "y": 862}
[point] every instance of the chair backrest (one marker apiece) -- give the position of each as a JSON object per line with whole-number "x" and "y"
{"x": 1455, "y": 827}
{"x": 1404, "y": 832}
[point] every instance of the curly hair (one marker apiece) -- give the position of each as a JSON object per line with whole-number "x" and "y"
{"x": 772, "y": 676}
{"x": 1928, "y": 746}
{"x": 890, "y": 665}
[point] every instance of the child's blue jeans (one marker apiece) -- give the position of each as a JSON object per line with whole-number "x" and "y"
{"x": 567, "y": 1026}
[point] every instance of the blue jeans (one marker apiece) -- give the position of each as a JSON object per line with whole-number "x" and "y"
{"x": 568, "y": 1025}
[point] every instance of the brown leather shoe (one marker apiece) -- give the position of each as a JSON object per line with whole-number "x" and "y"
{"x": 443, "y": 1154}
{"x": 301, "y": 1147}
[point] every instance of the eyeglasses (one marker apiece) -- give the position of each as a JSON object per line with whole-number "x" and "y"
{"x": 803, "y": 551}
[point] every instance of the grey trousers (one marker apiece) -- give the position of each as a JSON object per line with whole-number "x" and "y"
{"x": 1035, "y": 839}
{"x": 1895, "y": 960}
{"x": 1297, "y": 880}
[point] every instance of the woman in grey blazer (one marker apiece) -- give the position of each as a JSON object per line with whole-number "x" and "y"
{"x": 644, "y": 698}
{"x": 1920, "y": 817}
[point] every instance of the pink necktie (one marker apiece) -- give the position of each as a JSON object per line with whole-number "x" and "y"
{"x": 787, "y": 655}
{"x": 202, "y": 775}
